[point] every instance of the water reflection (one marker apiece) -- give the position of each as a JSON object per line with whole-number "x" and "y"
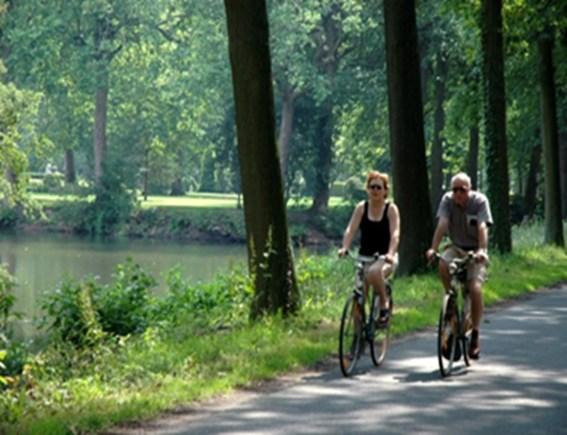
{"x": 39, "y": 263}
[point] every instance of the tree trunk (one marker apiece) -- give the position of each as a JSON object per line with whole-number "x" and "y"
{"x": 407, "y": 142}
{"x": 286, "y": 127}
{"x": 328, "y": 38}
{"x": 472, "y": 156}
{"x": 530, "y": 191}
{"x": 324, "y": 157}
{"x": 438, "y": 126}
{"x": 269, "y": 253}
{"x": 495, "y": 123}
{"x": 563, "y": 171}
{"x": 550, "y": 141}
{"x": 70, "y": 174}
{"x": 101, "y": 110}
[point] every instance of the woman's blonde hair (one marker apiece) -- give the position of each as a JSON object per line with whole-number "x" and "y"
{"x": 377, "y": 175}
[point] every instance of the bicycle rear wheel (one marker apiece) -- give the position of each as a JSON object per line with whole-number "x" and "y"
{"x": 448, "y": 343}
{"x": 350, "y": 338}
{"x": 380, "y": 334}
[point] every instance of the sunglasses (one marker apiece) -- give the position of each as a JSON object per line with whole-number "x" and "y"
{"x": 459, "y": 189}
{"x": 375, "y": 187}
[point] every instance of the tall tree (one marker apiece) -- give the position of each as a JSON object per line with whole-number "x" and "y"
{"x": 495, "y": 122}
{"x": 269, "y": 254}
{"x": 80, "y": 40}
{"x": 532, "y": 182}
{"x": 550, "y": 140}
{"x": 407, "y": 142}
{"x": 438, "y": 126}
{"x": 472, "y": 156}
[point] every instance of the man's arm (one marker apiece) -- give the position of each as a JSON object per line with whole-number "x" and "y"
{"x": 482, "y": 252}
{"x": 440, "y": 231}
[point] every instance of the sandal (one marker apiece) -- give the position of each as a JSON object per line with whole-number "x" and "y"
{"x": 384, "y": 316}
{"x": 474, "y": 348}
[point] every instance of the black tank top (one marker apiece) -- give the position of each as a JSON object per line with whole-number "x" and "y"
{"x": 374, "y": 235}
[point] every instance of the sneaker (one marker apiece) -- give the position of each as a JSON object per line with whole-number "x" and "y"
{"x": 446, "y": 350}
{"x": 474, "y": 348}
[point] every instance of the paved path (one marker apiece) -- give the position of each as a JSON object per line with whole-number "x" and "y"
{"x": 519, "y": 386}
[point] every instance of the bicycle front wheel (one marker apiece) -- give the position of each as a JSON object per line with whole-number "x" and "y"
{"x": 448, "y": 344}
{"x": 350, "y": 338}
{"x": 380, "y": 337}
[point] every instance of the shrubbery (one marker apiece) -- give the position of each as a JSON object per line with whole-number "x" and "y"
{"x": 13, "y": 355}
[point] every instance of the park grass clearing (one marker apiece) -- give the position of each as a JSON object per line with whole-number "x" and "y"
{"x": 191, "y": 200}
{"x": 154, "y": 373}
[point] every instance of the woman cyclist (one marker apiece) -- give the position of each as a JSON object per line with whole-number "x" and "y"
{"x": 379, "y": 223}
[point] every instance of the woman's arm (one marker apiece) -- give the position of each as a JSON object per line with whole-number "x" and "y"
{"x": 352, "y": 228}
{"x": 394, "y": 220}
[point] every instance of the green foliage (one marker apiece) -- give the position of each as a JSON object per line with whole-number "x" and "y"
{"x": 222, "y": 304}
{"x": 17, "y": 131}
{"x": 70, "y": 314}
{"x": 354, "y": 191}
{"x": 8, "y": 217}
{"x": 199, "y": 343}
{"x": 113, "y": 205}
{"x": 54, "y": 182}
{"x": 123, "y": 307}
{"x": 7, "y": 298}
{"x": 13, "y": 355}
{"x": 83, "y": 313}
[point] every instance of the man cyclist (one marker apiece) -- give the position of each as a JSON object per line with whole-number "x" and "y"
{"x": 465, "y": 215}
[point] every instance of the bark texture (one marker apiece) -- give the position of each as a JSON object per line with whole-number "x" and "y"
{"x": 495, "y": 123}
{"x": 269, "y": 253}
{"x": 550, "y": 141}
{"x": 407, "y": 142}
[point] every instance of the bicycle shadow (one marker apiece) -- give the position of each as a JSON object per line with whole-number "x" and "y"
{"x": 432, "y": 376}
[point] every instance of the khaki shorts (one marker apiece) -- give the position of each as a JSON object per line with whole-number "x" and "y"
{"x": 476, "y": 271}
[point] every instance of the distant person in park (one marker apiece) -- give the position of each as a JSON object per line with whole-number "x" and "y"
{"x": 379, "y": 223}
{"x": 465, "y": 215}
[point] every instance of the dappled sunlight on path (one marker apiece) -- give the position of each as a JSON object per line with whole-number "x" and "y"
{"x": 518, "y": 386}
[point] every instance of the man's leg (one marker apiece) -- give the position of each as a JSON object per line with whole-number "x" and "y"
{"x": 444, "y": 274}
{"x": 477, "y": 309}
{"x": 449, "y": 254}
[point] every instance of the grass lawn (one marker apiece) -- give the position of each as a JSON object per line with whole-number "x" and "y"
{"x": 191, "y": 200}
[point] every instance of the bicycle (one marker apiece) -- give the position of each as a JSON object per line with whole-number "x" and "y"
{"x": 455, "y": 324}
{"x": 358, "y": 328}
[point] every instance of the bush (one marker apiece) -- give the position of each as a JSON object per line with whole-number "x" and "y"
{"x": 13, "y": 356}
{"x": 8, "y": 217}
{"x": 7, "y": 299}
{"x": 82, "y": 313}
{"x": 112, "y": 206}
{"x": 354, "y": 191}
{"x": 124, "y": 306}
{"x": 70, "y": 315}
{"x": 53, "y": 182}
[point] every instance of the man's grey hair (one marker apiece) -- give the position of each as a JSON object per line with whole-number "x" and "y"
{"x": 461, "y": 176}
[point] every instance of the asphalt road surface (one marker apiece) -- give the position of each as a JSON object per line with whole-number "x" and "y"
{"x": 519, "y": 386}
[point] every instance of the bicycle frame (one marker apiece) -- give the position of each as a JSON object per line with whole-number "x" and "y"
{"x": 455, "y": 317}
{"x": 355, "y": 316}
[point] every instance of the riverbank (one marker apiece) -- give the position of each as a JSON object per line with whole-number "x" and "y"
{"x": 201, "y": 219}
{"x": 207, "y": 346}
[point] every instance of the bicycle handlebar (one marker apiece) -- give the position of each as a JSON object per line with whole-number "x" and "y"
{"x": 365, "y": 258}
{"x": 457, "y": 263}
